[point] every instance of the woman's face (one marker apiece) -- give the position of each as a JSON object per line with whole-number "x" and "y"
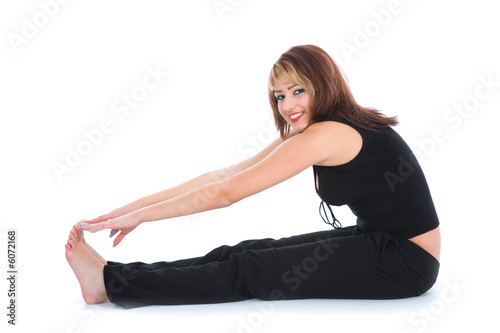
{"x": 294, "y": 104}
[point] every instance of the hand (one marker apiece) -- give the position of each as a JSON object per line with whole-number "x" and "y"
{"x": 123, "y": 224}
{"x": 111, "y": 215}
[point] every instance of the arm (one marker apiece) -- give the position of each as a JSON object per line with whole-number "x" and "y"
{"x": 270, "y": 168}
{"x": 200, "y": 181}
{"x": 288, "y": 159}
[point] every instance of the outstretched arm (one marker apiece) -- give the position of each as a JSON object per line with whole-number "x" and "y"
{"x": 197, "y": 182}
{"x": 128, "y": 215}
{"x": 288, "y": 159}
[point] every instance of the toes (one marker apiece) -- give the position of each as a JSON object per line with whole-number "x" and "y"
{"x": 78, "y": 227}
{"x": 77, "y": 233}
{"x": 67, "y": 247}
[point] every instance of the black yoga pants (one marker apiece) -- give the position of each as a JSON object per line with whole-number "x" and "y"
{"x": 340, "y": 263}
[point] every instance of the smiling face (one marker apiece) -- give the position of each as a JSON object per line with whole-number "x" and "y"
{"x": 294, "y": 104}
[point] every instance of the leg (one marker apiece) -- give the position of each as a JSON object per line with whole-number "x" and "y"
{"x": 363, "y": 266}
{"x": 87, "y": 268}
{"x": 224, "y": 252}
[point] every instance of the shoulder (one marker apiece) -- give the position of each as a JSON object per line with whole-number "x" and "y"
{"x": 337, "y": 131}
{"x": 339, "y": 142}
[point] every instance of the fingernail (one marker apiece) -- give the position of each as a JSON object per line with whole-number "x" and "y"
{"x": 84, "y": 220}
{"x": 114, "y": 246}
{"x": 112, "y": 234}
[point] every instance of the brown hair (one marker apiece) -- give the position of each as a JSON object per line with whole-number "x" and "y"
{"x": 311, "y": 67}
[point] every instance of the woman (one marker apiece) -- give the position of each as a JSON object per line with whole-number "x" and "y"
{"x": 357, "y": 159}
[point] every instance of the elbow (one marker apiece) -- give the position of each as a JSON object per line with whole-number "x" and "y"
{"x": 223, "y": 203}
{"x": 212, "y": 196}
{"x": 219, "y": 194}
{"x": 225, "y": 196}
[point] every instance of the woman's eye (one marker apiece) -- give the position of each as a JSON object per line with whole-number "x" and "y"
{"x": 296, "y": 92}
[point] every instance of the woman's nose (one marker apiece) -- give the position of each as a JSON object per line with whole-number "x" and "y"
{"x": 288, "y": 105}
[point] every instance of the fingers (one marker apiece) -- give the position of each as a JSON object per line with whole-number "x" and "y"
{"x": 93, "y": 226}
{"x": 119, "y": 238}
{"x": 108, "y": 216}
{"x": 90, "y": 227}
{"x": 102, "y": 218}
{"x": 84, "y": 225}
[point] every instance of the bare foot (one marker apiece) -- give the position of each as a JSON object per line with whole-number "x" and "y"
{"x": 79, "y": 231}
{"x": 87, "y": 268}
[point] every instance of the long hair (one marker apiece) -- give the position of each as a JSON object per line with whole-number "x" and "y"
{"x": 311, "y": 67}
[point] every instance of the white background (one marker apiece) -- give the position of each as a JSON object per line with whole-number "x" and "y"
{"x": 65, "y": 68}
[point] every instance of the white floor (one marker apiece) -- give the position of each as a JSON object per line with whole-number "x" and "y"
{"x": 89, "y": 78}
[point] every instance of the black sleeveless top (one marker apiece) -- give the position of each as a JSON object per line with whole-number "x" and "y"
{"x": 383, "y": 185}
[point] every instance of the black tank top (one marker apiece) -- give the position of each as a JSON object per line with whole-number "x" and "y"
{"x": 383, "y": 185}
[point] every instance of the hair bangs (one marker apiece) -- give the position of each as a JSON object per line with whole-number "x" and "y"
{"x": 285, "y": 72}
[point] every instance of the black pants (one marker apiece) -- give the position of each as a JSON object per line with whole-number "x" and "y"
{"x": 341, "y": 263}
